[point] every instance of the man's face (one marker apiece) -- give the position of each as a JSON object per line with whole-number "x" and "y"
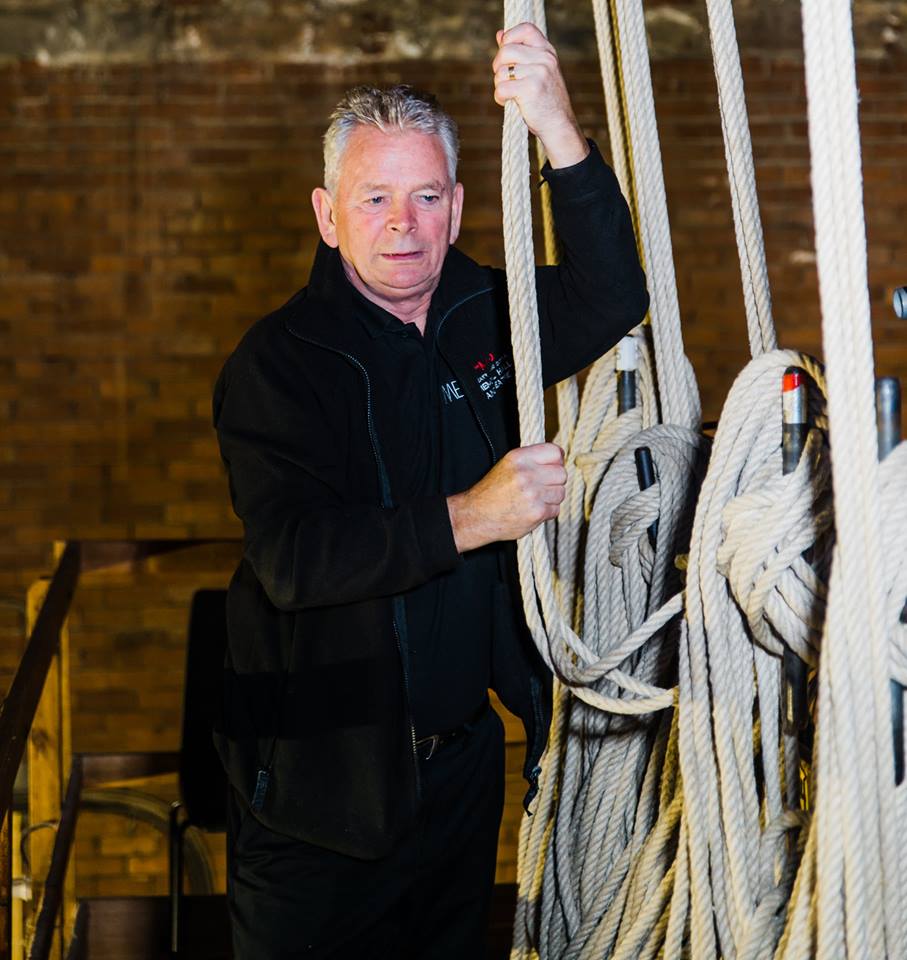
{"x": 393, "y": 215}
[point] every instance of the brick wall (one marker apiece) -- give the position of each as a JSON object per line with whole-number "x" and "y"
{"x": 150, "y": 213}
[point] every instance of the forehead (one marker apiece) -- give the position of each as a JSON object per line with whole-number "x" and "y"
{"x": 400, "y": 158}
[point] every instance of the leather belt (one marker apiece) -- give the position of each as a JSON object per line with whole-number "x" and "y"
{"x": 427, "y": 747}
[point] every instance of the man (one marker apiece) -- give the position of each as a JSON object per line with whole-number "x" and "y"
{"x": 369, "y": 429}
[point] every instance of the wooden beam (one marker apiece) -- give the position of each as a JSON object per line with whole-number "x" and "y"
{"x": 6, "y": 887}
{"x": 113, "y": 554}
{"x": 18, "y": 709}
{"x": 18, "y": 904}
{"x": 69, "y": 905}
{"x": 118, "y": 769}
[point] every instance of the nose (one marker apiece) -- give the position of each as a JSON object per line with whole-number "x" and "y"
{"x": 401, "y": 216}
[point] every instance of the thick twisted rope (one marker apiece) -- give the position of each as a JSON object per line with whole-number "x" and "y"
{"x": 624, "y": 878}
{"x": 738, "y": 151}
{"x": 677, "y": 385}
{"x": 713, "y": 859}
{"x": 601, "y": 666}
{"x": 855, "y": 886}
{"x": 564, "y": 651}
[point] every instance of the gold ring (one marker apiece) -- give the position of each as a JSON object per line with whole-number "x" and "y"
{"x": 511, "y": 73}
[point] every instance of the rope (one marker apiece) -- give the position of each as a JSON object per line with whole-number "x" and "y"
{"x": 562, "y": 648}
{"x": 856, "y": 887}
{"x": 635, "y": 860}
{"x": 738, "y": 150}
{"x": 592, "y": 679}
{"x": 676, "y": 833}
{"x": 677, "y": 384}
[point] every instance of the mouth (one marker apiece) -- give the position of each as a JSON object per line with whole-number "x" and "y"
{"x": 402, "y": 257}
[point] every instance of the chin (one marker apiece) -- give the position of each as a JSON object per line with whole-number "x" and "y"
{"x": 405, "y": 283}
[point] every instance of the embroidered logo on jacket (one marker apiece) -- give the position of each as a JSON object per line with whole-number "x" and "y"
{"x": 451, "y": 391}
{"x": 492, "y": 372}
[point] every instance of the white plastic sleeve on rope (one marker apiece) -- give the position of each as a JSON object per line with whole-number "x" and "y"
{"x": 627, "y": 354}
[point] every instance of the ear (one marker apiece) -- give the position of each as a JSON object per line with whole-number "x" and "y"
{"x": 324, "y": 214}
{"x": 456, "y": 212}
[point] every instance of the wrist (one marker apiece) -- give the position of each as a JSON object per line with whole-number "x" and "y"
{"x": 565, "y": 146}
{"x": 457, "y": 511}
{"x": 465, "y": 523}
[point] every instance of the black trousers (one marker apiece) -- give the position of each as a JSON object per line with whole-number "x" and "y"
{"x": 427, "y": 900}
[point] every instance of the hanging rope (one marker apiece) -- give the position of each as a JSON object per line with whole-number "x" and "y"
{"x": 854, "y": 878}
{"x": 738, "y": 150}
{"x": 601, "y": 442}
{"x": 707, "y": 866}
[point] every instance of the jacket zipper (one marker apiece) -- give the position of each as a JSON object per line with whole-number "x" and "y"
{"x": 386, "y": 501}
{"x": 386, "y": 497}
{"x": 475, "y": 412}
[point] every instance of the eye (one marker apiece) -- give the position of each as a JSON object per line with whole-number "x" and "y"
{"x": 374, "y": 201}
{"x": 429, "y": 197}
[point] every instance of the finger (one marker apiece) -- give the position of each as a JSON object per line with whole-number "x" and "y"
{"x": 505, "y": 90}
{"x": 517, "y": 53}
{"x": 546, "y": 453}
{"x": 550, "y": 471}
{"x": 553, "y": 495}
{"x": 516, "y": 72}
{"x": 536, "y": 455}
{"x": 527, "y": 33}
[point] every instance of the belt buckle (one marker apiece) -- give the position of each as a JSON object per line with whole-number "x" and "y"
{"x": 435, "y": 740}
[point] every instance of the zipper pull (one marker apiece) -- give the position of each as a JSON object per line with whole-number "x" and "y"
{"x": 262, "y": 782}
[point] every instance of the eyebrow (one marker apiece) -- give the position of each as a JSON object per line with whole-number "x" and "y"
{"x": 435, "y": 185}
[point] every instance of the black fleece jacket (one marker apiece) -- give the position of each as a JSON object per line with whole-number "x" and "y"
{"x": 317, "y": 735}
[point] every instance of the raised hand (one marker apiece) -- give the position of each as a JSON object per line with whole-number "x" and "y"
{"x": 526, "y": 69}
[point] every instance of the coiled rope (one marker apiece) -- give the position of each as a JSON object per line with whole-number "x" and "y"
{"x": 682, "y": 834}
{"x": 855, "y": 883}
{"x": 601, "y": 442}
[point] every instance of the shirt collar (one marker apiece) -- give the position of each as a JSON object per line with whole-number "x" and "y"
{"x": 377, "y": 321}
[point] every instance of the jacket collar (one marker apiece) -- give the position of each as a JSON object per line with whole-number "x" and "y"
{"x": 326, "y": 312}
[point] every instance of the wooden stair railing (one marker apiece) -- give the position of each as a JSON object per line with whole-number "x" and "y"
{"x": 18, "y": 710}
{"x": 35, "y": 716}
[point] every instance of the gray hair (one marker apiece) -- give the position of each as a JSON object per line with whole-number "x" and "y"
{"x": 392, "y": 110}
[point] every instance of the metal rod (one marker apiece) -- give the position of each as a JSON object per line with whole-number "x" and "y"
{"x": 899, "y": 302}
{"x": 627, "y": 365}
{"x": 645, "y": 475}
{"x": 794, "y": 430}
{"x": 888, "y": 414}
{"x": 888, "y": 425}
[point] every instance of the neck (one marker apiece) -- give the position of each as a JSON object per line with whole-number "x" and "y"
{"x": 413, "y": 309}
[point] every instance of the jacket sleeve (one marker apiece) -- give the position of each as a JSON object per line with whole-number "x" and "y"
{"x": 597, "y": 294}
{"x": 307, "y": 543}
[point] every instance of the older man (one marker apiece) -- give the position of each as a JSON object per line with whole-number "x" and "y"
{"x": 369, "y": 430}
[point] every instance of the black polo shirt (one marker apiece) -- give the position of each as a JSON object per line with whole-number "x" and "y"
{"x": 431, "y": 443}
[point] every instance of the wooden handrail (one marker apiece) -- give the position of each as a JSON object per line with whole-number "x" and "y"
{"x": 17, "y": 711}
{"x": 99, "y": 554}
{"x": 53, "y": 885}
